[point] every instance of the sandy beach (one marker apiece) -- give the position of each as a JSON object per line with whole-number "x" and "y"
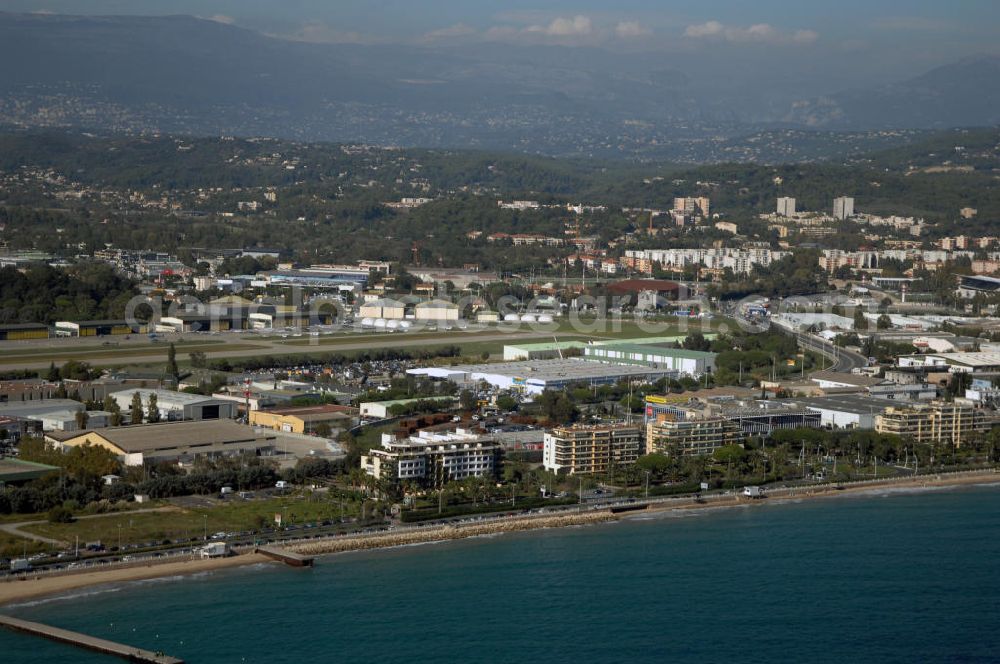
{"x": 31, "y": 587}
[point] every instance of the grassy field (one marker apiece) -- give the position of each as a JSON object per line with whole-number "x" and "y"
{"x": 113, "y": 352}
{"x": 232, "y": 515}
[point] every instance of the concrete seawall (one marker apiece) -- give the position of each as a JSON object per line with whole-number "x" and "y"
{"x": 449, "y": 532}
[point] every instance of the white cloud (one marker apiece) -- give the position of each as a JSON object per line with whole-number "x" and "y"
{"x": 805, "y": 36}
{"x": 577, "y": 26}
{"x": 709, "y": 29}
{"x": 762, "y": 33}
{"x": 451, "y": 32}
{"x": 222, "y": 18}
{"x": 630, "y": 30}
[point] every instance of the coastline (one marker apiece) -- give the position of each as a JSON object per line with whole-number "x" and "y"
{"x": 29, "y": 588}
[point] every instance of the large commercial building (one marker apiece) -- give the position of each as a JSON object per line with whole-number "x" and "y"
{"x": 23, "y": 331}
{"x": 437, "y": 311}
{"x": 382, "y": 308}
{"x": 50, "y": 414}
{"x": 173, "y": 441}
{"x": 537, "y": 376}
{"x": 178, "y": 405}
{"x": 433, "y": 458}
{"x": 845, "y": 411}
{"x": 941, "y": 422}
{"x": 591, "y": 448}
{"x": 98, "y": 328}
{"x": 679, "y": 360}
{"x": 559, "y": 349}
{"x": 954, "y": 362}
{"x": 304, "y": 419}
{"x": 754, "y": 417}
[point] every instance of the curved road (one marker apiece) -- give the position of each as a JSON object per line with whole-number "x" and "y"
{"x": 844, "y": 361}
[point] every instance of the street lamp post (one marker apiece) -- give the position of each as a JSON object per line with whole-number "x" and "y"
{"x": 205, "y": 517}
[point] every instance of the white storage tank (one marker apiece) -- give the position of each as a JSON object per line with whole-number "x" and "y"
{"x": 380, "y": 323}
{"x": 393, "y": 325}
{"x": 511, "y": 318}
{"x": 527, "y": 318}
{"x": 545, "y": 318}
{"x": 405, "y": 325}
{"x": 367, "y": 322}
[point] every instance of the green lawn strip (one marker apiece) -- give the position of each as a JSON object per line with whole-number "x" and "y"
{"x": 236, "y": 515}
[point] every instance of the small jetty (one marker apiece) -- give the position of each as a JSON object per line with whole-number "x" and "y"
{"x": 619, "y": 509}
{"x": 128, "y": 653}
{"x": 285, "y": 556}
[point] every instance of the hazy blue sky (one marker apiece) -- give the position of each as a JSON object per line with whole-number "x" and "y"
{"x": 892, "y": 34}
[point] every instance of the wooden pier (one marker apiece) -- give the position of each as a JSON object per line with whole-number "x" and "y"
{"x": 87, "y": 642}
{"x": 284, "y": 555}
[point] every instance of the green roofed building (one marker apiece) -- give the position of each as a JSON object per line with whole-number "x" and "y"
{"x": 15, "y": 471}
{"x": 542, "y": 351}
{"x": 649, "y": 341}
{"x": 558, "y": 349}
{"x": 690, "y": 362}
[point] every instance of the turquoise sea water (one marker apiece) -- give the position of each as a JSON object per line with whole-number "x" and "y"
{"x": 893, "y": 576}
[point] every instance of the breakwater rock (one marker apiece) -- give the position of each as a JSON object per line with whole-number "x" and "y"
{"x": 448, "y": 532}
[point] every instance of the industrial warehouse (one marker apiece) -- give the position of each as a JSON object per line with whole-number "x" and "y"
{"x": 172, "y": 441}
{"x": 534, "y": 377}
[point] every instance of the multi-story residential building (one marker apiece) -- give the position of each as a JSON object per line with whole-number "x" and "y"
{"x": 433, "y": 458}
{"x": 942, "y": 422}
{"x": 741, "y": 261}
{"x": 591, "y": 448}
{"x": 831, "y": 259}
{"x": 786, "y": 206}
{"x": 691, "y": 435}
{"x": 843, "y": 207}
{"x": 692, "y": 205}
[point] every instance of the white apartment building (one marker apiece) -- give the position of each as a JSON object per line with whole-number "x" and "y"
{"x": 433, "y": 457}
{"x": 786, "y": 206}
{"x": 843, "y": 207}
{"x": 740, "y": 261}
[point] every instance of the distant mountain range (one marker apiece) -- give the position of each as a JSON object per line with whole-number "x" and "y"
{"x": 181, "y": 74}
{"x": 962, "y": 94}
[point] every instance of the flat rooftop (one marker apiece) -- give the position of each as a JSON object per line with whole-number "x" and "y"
{"x": 847, "y": 403}
{"x": 16, "y": 470}
{"x": 306, "y": 411}
{"x": 554, "y": 370}
{"x": 165, "y": 396}
{"x": 37, "y": 407}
